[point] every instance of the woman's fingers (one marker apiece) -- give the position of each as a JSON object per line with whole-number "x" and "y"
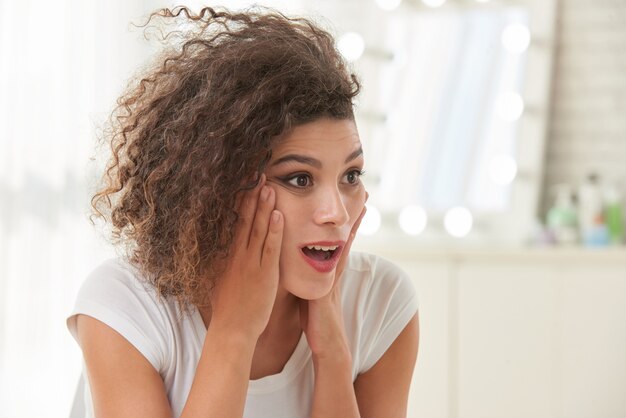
{"x": 255, "y": 236}
{"x": 259, "y": 230}
{"x": 273, "y": 242}
{"x": 246, "y": 210}
{"x": 356, "y": 225}
{"x": 346, "y": 250}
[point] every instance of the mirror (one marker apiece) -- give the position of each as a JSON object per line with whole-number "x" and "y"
{"x": 452, "y": 115}
{"x": 452, "y": 94}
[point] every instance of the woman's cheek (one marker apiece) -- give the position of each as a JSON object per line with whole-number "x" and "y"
{"x": 355, "y": 204}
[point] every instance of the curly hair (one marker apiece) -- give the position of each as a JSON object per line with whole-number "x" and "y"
{"x": 197, "y": 130}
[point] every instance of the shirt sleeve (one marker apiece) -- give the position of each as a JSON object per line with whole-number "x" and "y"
{"x": 392, "y": 302}
{"x": 116, "y": 297}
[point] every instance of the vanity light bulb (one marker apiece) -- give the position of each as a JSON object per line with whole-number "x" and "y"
{"x": 510, "y": 106}
{"x": 413, "y": 220}
{"x": 351, "y": 45}
{"x": 458, "y": 221}
{"x": 502, "y": 169}
{"x": 433, "y": 3}
{"x": 370, "y": 224}
{"x": 388, "y": 4}
{"x": 516, "y": 38}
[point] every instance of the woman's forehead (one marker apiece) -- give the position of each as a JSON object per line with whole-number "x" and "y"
{"x": 319, "y": 135}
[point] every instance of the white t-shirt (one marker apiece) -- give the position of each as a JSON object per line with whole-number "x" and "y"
{"x": 378, "y": 300}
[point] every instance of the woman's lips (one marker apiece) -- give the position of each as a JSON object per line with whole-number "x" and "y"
{"x": 326, "y": 265}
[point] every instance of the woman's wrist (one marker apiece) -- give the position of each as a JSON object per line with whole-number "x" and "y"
{"x": 221, "y": 380}
{"x": 337, "y": 357}
{"x": 230, "y": 337}
{"x": 334, "y": 386}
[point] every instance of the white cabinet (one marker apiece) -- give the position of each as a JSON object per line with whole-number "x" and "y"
{"x": 432, "y": 395}
{"x": 520, "y": 333}
{"x": 506, "y": 340}
{"x": 593, "y": 341}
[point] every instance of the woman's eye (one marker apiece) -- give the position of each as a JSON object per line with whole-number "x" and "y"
{"x": 353, "y": 176}
{"x": 300, "y": 180}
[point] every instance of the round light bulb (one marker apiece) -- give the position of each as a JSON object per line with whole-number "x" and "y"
{"x": 370, "y": 224}
{"x": 502, "y": 169}
{"x": 510, "y": 106}
{"x": 516, "y": 38}
{"x": 388, "y": 4}
{"x": 351, "y": 45}
{"x": 412, "y": 220}
{"x": 458, "y": 221}
{"x": 434, "y": 3}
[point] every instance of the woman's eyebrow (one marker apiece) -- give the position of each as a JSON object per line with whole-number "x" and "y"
{"x": 298, "y": 158}
{"x": 313, "y": 161}
{"x": 354, "y": 155}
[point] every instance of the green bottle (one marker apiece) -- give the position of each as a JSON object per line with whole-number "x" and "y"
{"x": 613, "y": 214}
{"x": 562, "y": 219}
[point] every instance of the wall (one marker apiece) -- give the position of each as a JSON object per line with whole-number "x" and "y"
{"x": 587, "y": 131}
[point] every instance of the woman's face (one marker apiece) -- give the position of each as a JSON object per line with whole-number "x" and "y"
{"x": 315, "y": 170}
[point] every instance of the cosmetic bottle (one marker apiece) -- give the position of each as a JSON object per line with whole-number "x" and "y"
{"x": 562, "y": 220}
{"x": 614, "y": 215}
{"x": 592, "y": 223}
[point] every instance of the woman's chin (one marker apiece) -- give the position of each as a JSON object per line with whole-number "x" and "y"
{"x": 310, "y": 287}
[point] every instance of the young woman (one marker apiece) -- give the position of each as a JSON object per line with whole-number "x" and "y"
{"x": 234, "y": 185}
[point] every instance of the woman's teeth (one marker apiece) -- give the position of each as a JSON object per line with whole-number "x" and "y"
{"x": 322, "y": 248}
{"x": 319, "y": 252}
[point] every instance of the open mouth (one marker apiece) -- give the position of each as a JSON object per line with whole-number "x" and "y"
{"x": 319, "y": 252}
{"x": 322, "y": 256}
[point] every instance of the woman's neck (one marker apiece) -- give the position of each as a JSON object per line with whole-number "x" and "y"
{"x": 278, "y": 341}
{"x": 284, "y": 319}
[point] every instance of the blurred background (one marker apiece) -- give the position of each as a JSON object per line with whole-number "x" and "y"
{"x": 495, "y": 141}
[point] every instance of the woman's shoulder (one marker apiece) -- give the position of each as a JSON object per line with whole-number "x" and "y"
{"x": 371, "y": 280}
{"x": 114, "y": 278}
{"x": 117, "y": 294}
{"x": 379, "y": 299}
{"x": 366, "y": 268}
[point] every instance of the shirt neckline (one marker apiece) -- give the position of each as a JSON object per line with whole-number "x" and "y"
{"x": 274, "y": 382}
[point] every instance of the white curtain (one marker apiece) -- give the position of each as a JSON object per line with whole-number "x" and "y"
{"x": 62, "y": 63}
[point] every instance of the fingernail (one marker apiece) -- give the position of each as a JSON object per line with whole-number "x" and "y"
{"x": 275, "y": 217}
{"x": 265, "y": 193}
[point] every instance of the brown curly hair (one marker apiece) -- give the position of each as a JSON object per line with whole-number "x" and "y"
{"x": 198, "y": 129}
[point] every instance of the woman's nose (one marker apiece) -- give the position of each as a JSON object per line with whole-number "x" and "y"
{"x": 330, "y": 208}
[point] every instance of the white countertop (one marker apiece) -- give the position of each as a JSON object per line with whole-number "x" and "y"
{"x": 415, "y": 250}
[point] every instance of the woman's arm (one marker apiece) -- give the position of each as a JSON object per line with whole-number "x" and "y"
{"x": 383, "y": 390}
{"x": 122, "y": 381}
{"x": 241, "y": 307}
{"x": 380, "y": 392}
{"x": 125, "y": 384}
{"x": 221, "y": 382}
{"x": 322, "y": 322}
{"x": 334, "y": 394}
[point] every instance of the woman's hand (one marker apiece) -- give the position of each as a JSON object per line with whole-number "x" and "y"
{"x": 245, "y": 293}
{"x": 322, "y": 319}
